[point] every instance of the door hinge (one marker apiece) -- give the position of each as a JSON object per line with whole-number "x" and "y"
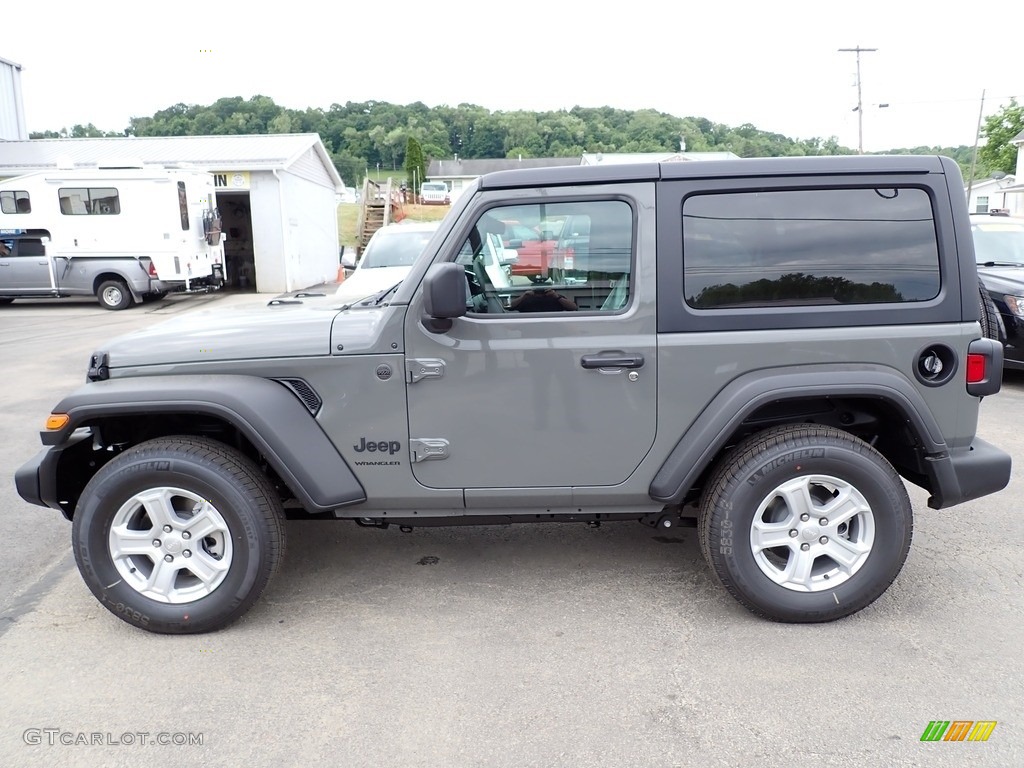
{"x": 424, "y": 368}
{"x": 427, "y": 448}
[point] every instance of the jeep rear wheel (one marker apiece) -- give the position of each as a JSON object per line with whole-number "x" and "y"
{"x": 178, "y": 535}
{"x": 805, "y": 523}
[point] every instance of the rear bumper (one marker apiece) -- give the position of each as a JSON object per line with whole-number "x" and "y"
{"x": 978, "y": 471}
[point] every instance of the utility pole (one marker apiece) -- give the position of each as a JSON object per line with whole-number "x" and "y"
{"x": 860, "y": 106}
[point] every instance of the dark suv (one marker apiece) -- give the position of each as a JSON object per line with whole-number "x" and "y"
{"x": 999, "y": 249}
{"x": 766, "y": 350}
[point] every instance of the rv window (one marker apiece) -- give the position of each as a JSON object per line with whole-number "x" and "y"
{"x": 183, "y": 205}
{"x": 101, "y": 201}
{"x": 15, "y": 201}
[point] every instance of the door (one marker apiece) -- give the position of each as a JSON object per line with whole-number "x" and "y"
{"x": 549, "y": 385}
{"x": 25, "y": 268}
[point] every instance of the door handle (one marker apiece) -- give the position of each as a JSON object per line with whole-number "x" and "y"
{"x": 615, "y": 360}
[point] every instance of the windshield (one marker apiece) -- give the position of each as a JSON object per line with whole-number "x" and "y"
{"x": 395, "y": 248}
{"x": 999, "y": 241}
{"x": 434, "y": 187}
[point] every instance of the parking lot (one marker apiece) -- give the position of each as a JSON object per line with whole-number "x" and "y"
{"x": 560, "y": 645}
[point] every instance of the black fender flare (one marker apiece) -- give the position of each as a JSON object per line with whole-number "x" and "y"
{"x": 708, "y": 434}
{"x": 266, "y": 412}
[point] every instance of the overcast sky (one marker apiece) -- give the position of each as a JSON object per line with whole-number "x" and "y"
{"x": 774, "y": 65}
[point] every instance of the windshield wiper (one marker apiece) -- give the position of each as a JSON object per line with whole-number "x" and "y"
{"x": 379, "y": 297}
{"x": 1000, "y": 264}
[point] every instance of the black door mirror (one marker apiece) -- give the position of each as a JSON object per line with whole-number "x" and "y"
{"x": 444, "y": 296}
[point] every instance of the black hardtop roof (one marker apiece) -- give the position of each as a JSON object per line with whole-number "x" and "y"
{"x": 716, "y": 169}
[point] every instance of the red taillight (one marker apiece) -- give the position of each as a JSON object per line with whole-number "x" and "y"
{"x": 975, "y": 368}
{"x": 152, "y": 270}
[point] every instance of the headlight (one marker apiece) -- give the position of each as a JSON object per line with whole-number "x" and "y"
{"x": 1015, "y": 304}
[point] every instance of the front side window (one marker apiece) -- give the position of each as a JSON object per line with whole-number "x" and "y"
{"x": 550, "y": 257}
{"x": 809, "y": 247}
{"x": 15, "y": 201}
{"x": 89, "y": 201}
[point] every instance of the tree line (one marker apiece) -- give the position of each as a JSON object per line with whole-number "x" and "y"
{"x": 361, "y": 135}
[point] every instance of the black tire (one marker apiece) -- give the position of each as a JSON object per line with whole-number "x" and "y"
{"x": 158, "y": 296}
{"x": 114, "y": 294}
{"x": 788, "y": 459}
{"x": 991, "y": 322}
{"x": 187, "y": 482}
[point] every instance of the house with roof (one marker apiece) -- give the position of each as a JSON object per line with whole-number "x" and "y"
{"x": 277, "y": 195}
{"x": 1006, "y": 192}
{"x": 459, "y": 174}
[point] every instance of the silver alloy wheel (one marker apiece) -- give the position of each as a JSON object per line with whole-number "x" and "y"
{"x": 170, "y": 545}
{"x": 112, "y": 296}
{"x": 812, "y": 533}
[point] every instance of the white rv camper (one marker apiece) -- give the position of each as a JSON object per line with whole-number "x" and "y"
{"x": 121, "y": 234}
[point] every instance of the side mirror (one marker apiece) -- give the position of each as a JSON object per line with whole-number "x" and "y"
{"x": 348, "y": 259}
{"x": 444, "y": 296}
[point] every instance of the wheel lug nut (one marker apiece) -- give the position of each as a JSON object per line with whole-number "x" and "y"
{"x": 823, "y": 521}
{"x": 805, "y": 517}
{"x": 187, "y": 553}
{"x": 823, "y": 540}
{"x": 167, "y": 529}
{"x": 186, "y": 535}
{"x": 793, "y": 534}
{"x": 805, "y": 547}
{"x": 156, "y": 542}
{"x": 168, "y": 558}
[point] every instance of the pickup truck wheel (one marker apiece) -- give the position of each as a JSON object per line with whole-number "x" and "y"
{"x": 805, "y": 523}
{"x": 178, "y": 535}
{"x": 114, "y": 294}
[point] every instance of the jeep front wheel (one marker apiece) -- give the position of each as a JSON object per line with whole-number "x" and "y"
{"x": 805, "y": 523}
{"x": 178, "y": 535}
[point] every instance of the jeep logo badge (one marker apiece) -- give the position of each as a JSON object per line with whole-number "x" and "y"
{"x": 383, "y": 371}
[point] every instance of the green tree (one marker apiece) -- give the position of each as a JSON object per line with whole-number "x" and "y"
{"x": 999, "y": 130}
{"x": 415, "y": 164}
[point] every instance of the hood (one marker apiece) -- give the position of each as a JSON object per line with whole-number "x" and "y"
{"x": 299, "y": 328}
{"x": 366, "y": 282}
{"x": 1003, "y": 279}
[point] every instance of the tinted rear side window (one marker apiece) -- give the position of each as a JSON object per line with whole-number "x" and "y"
{"x": 788, "y": 248}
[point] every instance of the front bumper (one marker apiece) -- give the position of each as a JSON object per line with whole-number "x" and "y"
{"x": 36, "y": 480}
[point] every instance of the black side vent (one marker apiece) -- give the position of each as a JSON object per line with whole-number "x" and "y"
{"x": 305, "y": 393}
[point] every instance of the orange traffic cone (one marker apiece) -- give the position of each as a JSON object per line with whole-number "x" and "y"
{"x": 341, "y": 273}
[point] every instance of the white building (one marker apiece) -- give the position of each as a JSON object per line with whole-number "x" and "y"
{"x": 12, "y": 110}
{"x": 277, "y": 195}
{"x": 996, "y": 194}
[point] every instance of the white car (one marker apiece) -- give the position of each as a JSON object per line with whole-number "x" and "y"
{"x": 387, "y": 259}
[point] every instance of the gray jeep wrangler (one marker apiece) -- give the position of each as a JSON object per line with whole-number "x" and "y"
{"x": 764, "y": 349}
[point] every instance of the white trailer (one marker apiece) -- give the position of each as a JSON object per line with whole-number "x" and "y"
{"x": 121, "y": 234}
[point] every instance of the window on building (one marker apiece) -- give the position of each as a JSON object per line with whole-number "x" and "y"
{"x": 982, "y": 206}
{"x": 15, "y": 201}
{"x": 86, "y": 201}
{"x": 183, "y": 205}
{"x": 809, "y": 247}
